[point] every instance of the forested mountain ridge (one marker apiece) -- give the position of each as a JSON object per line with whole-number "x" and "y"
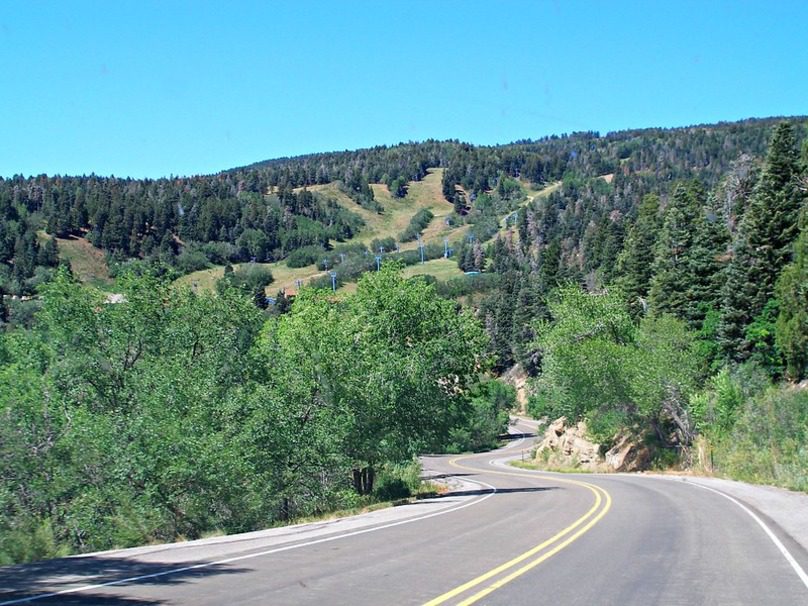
{"x": 252, "y": 213}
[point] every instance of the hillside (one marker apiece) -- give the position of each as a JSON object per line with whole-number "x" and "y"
{"x": 649, "y": 282}
{"x": 267, "y": 210}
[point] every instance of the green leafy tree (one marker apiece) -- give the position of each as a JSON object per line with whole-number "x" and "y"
{"x": 415, "y": 358}
{"x": 583, "y": 352}
{"x": 391, "y": 366}
{"x": 491, "y": 402}
{"x": 596, "y": 364}
{"x": 791, "y": 328}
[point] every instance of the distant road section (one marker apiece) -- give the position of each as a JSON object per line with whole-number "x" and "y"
{"x": 500, "y": 536}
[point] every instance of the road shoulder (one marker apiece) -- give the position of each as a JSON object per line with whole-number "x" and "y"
{"x": 786, "y": 508}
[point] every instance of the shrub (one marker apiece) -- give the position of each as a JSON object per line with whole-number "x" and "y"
{"x": 769, "y": 441}
{"x": 307, "y": 255}
{"x": 418, "y": 223}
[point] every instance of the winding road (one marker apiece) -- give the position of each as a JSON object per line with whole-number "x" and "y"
{"x": 501, "y": 535}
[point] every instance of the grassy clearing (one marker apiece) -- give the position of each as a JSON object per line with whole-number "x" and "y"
{"x": 88, "y": 263}
{"x": 442, "y": 269}
{"x": 542, "y": 192}
{"x": 532, "y": 194}
{"x": 373, "y": 221}
{"x": 424, "y": 194}
{"x": 284, "y": 277}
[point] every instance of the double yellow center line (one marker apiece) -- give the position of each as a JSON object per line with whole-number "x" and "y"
{"x": 516, "y": 567}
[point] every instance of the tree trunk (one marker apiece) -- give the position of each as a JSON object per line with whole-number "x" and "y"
{"x": 363, "y": 480}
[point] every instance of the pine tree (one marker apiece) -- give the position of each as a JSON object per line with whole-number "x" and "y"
{"x": 672, "y": 259}
{"x": 260, "y": 298}
{"x": 763, "y": 247}
{"x": 708, "y": 259}
{"x": 635, "y": 262}
{"x": 550, "y": 267}
{"x": 529, "y": 308}
{"x": 48, "y": 254}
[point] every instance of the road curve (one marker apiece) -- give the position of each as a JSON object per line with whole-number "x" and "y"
{"x": 500, "y": 536}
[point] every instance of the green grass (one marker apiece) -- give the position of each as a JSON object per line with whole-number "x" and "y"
{"x": 442, "y": 269}
{"x": 283, "y": 276}
{"x": 426, "y": 193}
{"x": 87, "y": 263}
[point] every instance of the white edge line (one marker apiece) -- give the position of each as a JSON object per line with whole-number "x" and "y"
{"x": 256, "y": 555}
{"x": 782, "y": 548}
{"x": 777, "y": 543}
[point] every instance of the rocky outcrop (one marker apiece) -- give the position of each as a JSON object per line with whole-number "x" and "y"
{"x": 568, "y": 447}
{"x": 627, "y": 454}
{"x": 517, "y": 377}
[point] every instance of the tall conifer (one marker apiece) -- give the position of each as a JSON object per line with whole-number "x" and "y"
{"x": 763, "y": 246}
{"x": 707, "y": 261}
{"x": 671, "y": 279}
{"x": 635, "y": 262}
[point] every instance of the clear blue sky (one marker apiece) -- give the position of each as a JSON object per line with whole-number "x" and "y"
{"x": 148, "y": 89}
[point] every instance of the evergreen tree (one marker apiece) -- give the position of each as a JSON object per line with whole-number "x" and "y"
{"x": 635, "y": 263}
{"x": 48, "y": 254}
{"x": 550, "y": 266}
{"x": 708, "y": 257}
{"x": 672, "y": 260}
{"x": 260, "y": 298}
{"x": 529, "y": 308}
{"x": 763, "y": 247}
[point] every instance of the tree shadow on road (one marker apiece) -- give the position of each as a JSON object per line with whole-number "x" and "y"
{"x": 31, "y": 583}
{"x": 516, "y": 436}
{"x": 441, "y": 476}
{"x": 482, "y": 491}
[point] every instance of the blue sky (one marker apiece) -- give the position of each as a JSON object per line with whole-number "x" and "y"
{"x": 148, "y": 89}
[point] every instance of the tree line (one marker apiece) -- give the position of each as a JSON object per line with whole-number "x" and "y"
{"x": 263, "y": 211}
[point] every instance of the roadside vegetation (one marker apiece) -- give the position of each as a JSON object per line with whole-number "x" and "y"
{"x": 172, "y": 414}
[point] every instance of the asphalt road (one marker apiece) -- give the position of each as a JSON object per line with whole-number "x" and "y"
{"x": 500, "y": 536}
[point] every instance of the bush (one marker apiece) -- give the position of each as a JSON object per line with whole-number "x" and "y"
{"x": 488, "y": 418}
{"x": 769, "y": 441}
{"x": 219, "y": 253}
{"x": 190, "y": 261}
{"x": 30, "y": 540}
{"x": 308, "y": 255}
{"x": 248, "y": 278}
{"x": 418, "y": 223}
{"x": 397, "y": 481}
{"x": 389, "y": 244}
